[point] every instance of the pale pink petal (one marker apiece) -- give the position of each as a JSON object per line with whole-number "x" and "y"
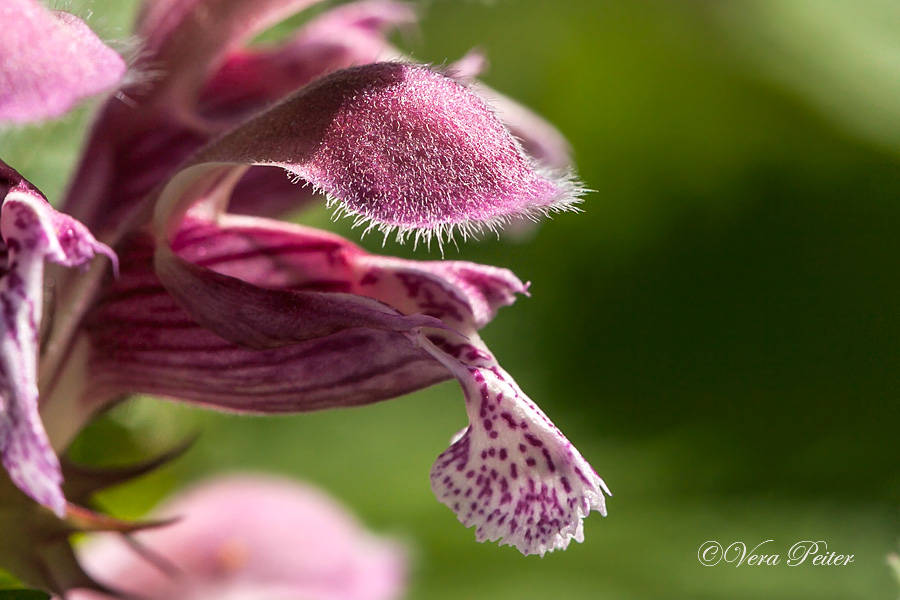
{"x": 467, "y": 69}
{"x": 540, "y": 139}
{"x": 32, "y": 233}
{"x": 50, "y": 62}
{"x": 245, "y": 538}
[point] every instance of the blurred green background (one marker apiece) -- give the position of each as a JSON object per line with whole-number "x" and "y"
{"x": 718, "y": 332}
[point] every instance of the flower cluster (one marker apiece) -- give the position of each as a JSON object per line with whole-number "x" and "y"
{"x": 204, "y": 297}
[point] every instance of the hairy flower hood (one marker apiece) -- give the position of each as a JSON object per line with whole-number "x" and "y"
{"x": 250, "y": 314}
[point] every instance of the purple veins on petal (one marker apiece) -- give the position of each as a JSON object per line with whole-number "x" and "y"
{"x": 532, "y": 487}
{"x": 144, "y": 341}
{"x": 35, "y": 84}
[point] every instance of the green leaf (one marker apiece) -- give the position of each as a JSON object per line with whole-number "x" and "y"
{"x": 8, "y": 581}
{"x": 22, "y": 594}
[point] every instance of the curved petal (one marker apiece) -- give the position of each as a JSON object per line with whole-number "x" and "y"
{"x": 513, "y": 474}
{"x": 247, "y": 313}
{"x": 271, "y": 192}
{"x": 259, "y": 317}
{"x": 32, "y": 233}
{"x": 135, "y": 147}
{"x": 35, "y": 83}
{"x": 465, "y": 162}
{"x": 144, "y": 341}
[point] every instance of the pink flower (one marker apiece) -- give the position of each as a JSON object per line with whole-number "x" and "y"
{"x": 250, "y": 314}
{"x": 244, "y": 538}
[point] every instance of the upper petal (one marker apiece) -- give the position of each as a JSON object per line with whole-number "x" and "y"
{"x": 201, "y": 82}
{"x": 540, "y": 139}
{"x": 51, "y": 60}
{"x": 396, "y": 144}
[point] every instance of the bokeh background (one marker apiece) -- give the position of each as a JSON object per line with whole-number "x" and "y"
{"x": 717, "y": 332}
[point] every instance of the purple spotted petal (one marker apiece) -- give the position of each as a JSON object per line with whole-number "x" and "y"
{"x": 529, "y": 486}
{"x": 50, "y": 62}
{"x": 401, "y": 146}
{"x": 32, "y": 233}
{"x": 512, "y": 474}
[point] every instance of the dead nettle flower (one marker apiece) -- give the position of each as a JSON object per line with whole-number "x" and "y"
{"x": 249, "y": 314}
{"x": 244, "y": 537}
